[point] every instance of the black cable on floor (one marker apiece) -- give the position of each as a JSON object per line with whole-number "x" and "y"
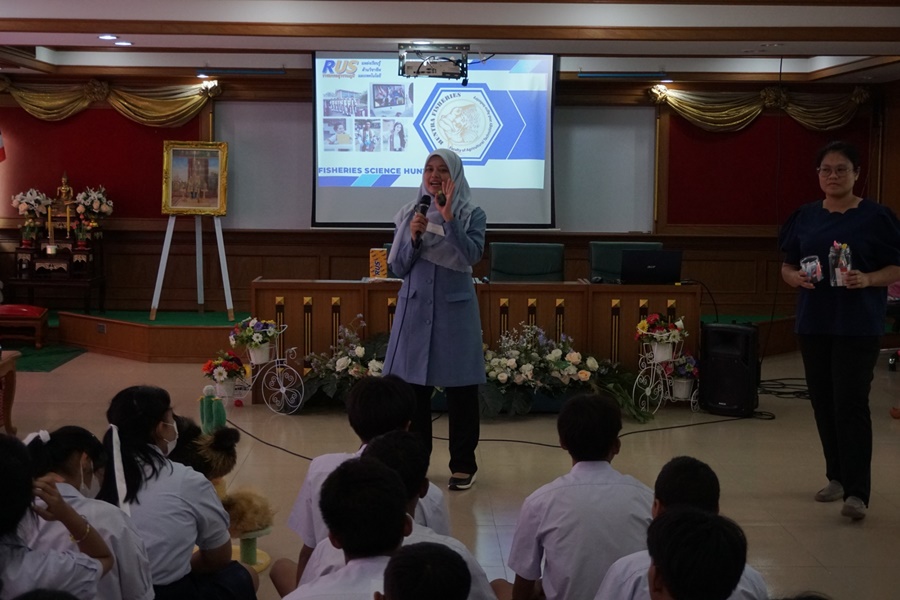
{"x": 786, "y": 387}
{"x": 262, "y": 441}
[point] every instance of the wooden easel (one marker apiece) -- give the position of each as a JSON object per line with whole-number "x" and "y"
{"x": 198, "y": 237}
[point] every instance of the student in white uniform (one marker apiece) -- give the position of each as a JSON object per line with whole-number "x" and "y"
{"x": 425, "y": 570}
{"x": 23, "y": 569}
{"x": 375, "y": 405}
{"x": 363, "y": 503}
{"x": 172, "y": 506}
{"x": 683, "y": 481}
{"x": 403, "y": 452}
{"x": 579, "y": 524}
{"x": 694, "y": 554}
{"x": 72, "y": 453}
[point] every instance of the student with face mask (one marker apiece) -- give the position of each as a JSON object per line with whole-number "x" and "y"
{"x": 73, "y": 453}
{"x": 25, "y": 499}
{"x": 172, "y": 506}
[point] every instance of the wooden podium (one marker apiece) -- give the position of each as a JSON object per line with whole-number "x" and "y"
{"x": 600, "y": 318}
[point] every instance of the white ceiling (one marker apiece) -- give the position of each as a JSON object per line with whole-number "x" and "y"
{"x": 833, "y": 42}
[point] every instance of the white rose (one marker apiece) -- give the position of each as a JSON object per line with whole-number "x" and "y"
{"x": 502, "y": 377}
{"x": 495, "y": 361}
{"x": 511, "y": 363}
{"x": 556, "y": 353}
{"x": 592, "y": 363}
{"x": 492, "y": 374}
{"x": 526, "y": 368}
{"x": 571, "y": 370}
{"x": 360, "y": 351}
{"x": 375, "y": 367}
{"x": 514, "y": 353}
{"x": 573, "y": 357}
{"x": 342, "y": 363}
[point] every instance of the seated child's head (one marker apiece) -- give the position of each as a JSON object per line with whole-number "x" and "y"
{"x": 403, "y": 452}
{"x": 426, "y": 570}
{"x": 363, "y": 503}
{"x": 377, "y": 405}
{"x": 71, "y": 451}
{"x": 589, "y": 425}
{"x": 694, "y": 554}
{"x": 15, "y": 473}
{"x": 686, "y": 481}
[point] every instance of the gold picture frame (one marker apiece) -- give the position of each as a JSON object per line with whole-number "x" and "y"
{"x": 195, "y": 178}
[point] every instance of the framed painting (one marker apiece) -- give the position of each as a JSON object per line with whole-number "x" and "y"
{"x": 195, "y": 176}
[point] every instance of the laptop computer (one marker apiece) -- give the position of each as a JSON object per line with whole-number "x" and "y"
{"x": 649, "y": 267}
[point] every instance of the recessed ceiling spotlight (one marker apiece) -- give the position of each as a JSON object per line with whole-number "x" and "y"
{"x": 123, "y": 43}
{"x": 108, "y": 36}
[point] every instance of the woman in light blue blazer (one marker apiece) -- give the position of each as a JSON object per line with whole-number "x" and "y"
{"x": 436, "y": 337}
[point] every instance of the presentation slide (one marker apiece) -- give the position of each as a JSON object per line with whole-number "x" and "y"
{"x": 374, "y": 129}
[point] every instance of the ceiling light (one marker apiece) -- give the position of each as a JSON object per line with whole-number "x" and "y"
{"x": 421, "y": 42}
{"x": 123, "y": 43}
{"x": 108, "y": 36}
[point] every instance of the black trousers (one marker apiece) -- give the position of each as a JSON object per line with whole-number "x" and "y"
{"x": 465, "y": 426}
{"x": 839, "y": 371}
{"x": 232, "y": 582}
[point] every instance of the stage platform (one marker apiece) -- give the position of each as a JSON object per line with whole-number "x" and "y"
{"x": 174, "y": 337}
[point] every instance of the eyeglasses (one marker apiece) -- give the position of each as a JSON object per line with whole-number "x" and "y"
{"x": 828, "y": 171}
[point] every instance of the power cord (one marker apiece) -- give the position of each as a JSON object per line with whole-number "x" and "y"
{"x": 262, "y": 441}
{"x": 786, "y": 387}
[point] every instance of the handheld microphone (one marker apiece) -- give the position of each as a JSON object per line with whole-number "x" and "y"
{"x": 441, "y": 199}
{"x": 421, "y": 208}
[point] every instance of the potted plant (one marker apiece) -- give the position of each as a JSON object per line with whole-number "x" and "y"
{"x": 224, "y": 370}
{"x": 660, "y": 336}
{"x": 527, "y": 366}
{"x": 32, "y": 205}
{"x": 684, "y": 372}
{"x": 350, "y": 359}
{"x": 256, "y": 336}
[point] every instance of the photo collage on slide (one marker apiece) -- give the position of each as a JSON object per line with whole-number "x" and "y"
{"x": 376, "y": 118}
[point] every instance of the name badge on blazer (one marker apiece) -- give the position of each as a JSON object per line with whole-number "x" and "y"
{"x": 435, "y": 228}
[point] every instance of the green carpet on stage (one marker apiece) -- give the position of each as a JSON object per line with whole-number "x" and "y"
{"x": 44, "y": 360}
{"x": 170, "y": 318}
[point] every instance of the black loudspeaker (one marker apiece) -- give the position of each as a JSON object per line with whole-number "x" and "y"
{"x": 729, "y": 369}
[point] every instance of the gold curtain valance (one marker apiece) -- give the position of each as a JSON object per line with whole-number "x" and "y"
{"x": 169, "y": 106}
{"x": 732, "y": 111}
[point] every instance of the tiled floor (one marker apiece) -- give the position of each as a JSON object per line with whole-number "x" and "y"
{"x": 769, "y": 469}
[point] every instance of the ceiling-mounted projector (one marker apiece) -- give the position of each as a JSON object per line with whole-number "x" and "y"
{"x": 448, "y": 61}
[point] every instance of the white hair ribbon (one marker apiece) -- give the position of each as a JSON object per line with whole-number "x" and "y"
{"x": 45, "y": 437}
{"x": 121, "y": 486}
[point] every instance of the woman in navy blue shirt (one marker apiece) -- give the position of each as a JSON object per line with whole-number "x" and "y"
{"x": 840, "y": 317}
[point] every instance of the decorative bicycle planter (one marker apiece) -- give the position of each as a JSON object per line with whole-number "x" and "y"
{"x": 654, "y": 386}
{"x": 279, "y": 384}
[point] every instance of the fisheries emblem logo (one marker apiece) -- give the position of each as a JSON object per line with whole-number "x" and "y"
{"x": 461, "y": 119}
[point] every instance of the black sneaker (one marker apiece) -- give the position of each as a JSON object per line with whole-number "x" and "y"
{"x": 461, "y": 483}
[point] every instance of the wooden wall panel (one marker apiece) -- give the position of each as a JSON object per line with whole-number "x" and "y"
{"x": 740, "y": 274}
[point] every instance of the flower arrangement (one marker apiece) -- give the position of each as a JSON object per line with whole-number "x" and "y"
{"x": 655, "y": 329}
{"x": 30, "y": 228}
{"x": 83, "y": 228}
{"x": 349, "y": 360}
{"x": 684, "y": 366}
{"x": 93, "y": 203}
{"x": 527, "y": 360}
{"x": 31, "y": 203}
{"x": 226, "y": 365}
{"x": 252, "y": 333}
